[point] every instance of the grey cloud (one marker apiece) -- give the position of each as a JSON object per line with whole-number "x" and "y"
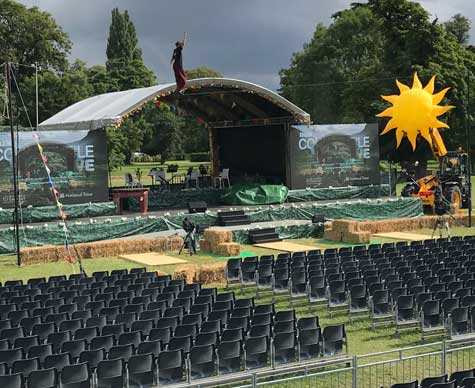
{"x": 247, "y": 39}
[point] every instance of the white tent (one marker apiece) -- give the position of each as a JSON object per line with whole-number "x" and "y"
{"x": 109, "y": 109}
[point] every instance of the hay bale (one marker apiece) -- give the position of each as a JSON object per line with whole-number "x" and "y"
{"x": 187, "y": 272}
{"x": 212, "y": 273}
{"x": 332, "y": 235}
{"x": 358, "y": 238}
{"x": 52, "y": 253}
{"x": 204, "y": 246}
{"x": 228, "y": 249}
{"x": 216, "y": 236}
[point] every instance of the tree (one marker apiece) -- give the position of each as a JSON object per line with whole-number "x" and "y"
{"x": 459, "y": 27}
{"x": 28, "y": 35}
{"x": 124, "y": 57}
{"x": 56, "y": 91}
{"x": 203, "y": 72}
{"x": 341, "y": 73}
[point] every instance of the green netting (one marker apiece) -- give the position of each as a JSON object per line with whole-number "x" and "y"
{"x": 334, "y": 193}
{"x": 178, "y": 199}
{"x": 104, "y": 230}
{"x": 50, "y": 213}
{"x": 255, "y": 195}
{"x": 285, "y": 232}
{"x": 367, "y": 209}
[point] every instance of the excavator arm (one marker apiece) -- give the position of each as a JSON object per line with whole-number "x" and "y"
{"x": 437, "y": 145}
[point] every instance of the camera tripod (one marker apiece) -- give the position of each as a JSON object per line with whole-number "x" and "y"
{"x": 440, "y": 224}
{"x": 187, "y": 240}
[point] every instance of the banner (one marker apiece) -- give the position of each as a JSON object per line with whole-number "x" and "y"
{"x": 77, "y": 161}
{"x": 334, "y": 155}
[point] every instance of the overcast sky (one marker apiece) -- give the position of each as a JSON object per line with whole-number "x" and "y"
{"x": 245, "y": 39}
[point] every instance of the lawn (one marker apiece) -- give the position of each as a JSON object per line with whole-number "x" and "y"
{"x": 361, "y": 339}
{"x": 117, "y": 175}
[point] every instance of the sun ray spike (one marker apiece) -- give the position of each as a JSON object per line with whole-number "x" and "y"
{"x": 429, "y": 88}
{"x": 440, "y": 110}
{"x": 388, "y": 112}
{"x": 416, "y": 84}
{"x": 391, "y": 99}
{"x": 402, "y": 87}
{"x": 438, "y": 97}
{"x": 391, "y": 124}
{"x": 399, "y": 136}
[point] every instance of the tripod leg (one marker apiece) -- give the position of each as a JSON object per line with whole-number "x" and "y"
{"x": 448, "y": 228}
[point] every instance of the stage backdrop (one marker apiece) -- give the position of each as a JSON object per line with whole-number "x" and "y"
{"x": 78, "y": 163}
{"x": 333, "y": 155}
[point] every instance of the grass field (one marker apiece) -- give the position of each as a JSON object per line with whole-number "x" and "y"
{"x": 362, "y": 340}
{"x": 117, "y": 175}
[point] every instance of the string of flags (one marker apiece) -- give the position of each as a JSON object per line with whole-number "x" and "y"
{"x": 57, "y": 197}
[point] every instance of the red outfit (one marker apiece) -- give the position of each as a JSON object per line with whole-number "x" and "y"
{"x": 180, "y": 75}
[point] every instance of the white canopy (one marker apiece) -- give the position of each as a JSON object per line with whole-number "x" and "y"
{"x": 109, "y": 109}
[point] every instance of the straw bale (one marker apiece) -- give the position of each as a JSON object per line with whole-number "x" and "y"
{"x": 187, "y": 272}
{"x": 332, "y": 235}
{"x": 212, "y": 273}
{"x": 357, "y": 238}
{"x": 217, "y": 236}
{"x": 228, "y": 249}
{"x": 110, "y": 248}
{"x": 204, "y": 246}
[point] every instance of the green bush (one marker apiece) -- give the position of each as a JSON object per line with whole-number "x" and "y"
{"x": 199, "y": 157}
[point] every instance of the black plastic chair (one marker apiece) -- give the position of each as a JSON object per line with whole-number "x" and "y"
{"x": 10, "y": 356}
{"x": 58, "y": 339}
{"x": 11, "y": 381}
{"x": 428, "y": 381}
{"x": 130, "y": 338}
{"x": 468, "y": 382}
{"x": 92, "y": 358}
{"x": 334, "y": 338}
{"x": 256, "y": 352}
{"x": 44, "y": 378}
{"x": 412, "y": 384}
{"x": 181, "y": 343}
{"x": 25, "y": 366}
{"x": 74, "y": 348}
{"x": 449, "y": 384}
{"x": 202, "y": 361}
{"x": 57, "y": 361}
{"x": 26, "y": 342}
{"x": 284, "y": 348}
{"x": 153, "y": 347}
{"x": 123, "y": 352}
{"x": 102, "y": 342}
{"x": 229, "y": 357}
{"x": 170, "y": 366}
{"x": 40, "y": 351}
{"x": 76, "y": 376}
{"x": 309, "y": 343}
{"x": 141, "y": 371}
{"x": 110, "y": 374}
{"x": 163, "y": 334}
{"x": 458, "y": 321}
{"x": 460, "y": 375}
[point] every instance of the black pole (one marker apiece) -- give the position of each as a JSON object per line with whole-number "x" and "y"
{"x": 15, "y": 185}
{"x": 469, "y": 159}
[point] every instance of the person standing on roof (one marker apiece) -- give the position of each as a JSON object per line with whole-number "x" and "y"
{"x": 177, "y": 61}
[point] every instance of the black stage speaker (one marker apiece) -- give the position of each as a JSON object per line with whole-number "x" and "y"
{"x": 318, "y": 219}
{"x": 197, "y": 207}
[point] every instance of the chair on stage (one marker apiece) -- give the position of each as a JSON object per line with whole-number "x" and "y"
{"x": 192, "y": 178}
{"x": 130, "y": 182}
{"x": 222, "y": 178}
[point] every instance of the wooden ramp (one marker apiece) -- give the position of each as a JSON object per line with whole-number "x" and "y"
{"x": 153, "y": 259}
{"x": 403, "y": 236}
{"x": 286, "y": 246}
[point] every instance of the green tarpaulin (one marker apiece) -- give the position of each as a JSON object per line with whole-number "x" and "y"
{"x": 285, "y": 232}
{"x": 104, "y": 230}
{"x": 255, "y": 195}
{"x": 334, "y": 193}
{"x": 50, "y": 213}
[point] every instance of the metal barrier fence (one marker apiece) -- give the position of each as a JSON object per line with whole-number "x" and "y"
{"x": 377, "y": 370}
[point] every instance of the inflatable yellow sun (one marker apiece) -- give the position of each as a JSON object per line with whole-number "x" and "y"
{"x": 414, "y": 111}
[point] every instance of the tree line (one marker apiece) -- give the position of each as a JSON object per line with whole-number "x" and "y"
{"x": 29, "y": 36}
{"x": 338, "y": 77}
{"x": 340, "y": 74}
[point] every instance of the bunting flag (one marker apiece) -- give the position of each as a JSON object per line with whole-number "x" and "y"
{"x": 57, "y": 196}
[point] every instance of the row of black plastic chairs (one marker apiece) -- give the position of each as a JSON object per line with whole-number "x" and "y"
{"x": 458, "y": 379}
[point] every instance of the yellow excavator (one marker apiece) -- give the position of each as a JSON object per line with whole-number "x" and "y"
{"x": 452, "y": 177}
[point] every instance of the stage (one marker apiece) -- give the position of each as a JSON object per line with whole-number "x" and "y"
{"x": 287, "y": 218}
